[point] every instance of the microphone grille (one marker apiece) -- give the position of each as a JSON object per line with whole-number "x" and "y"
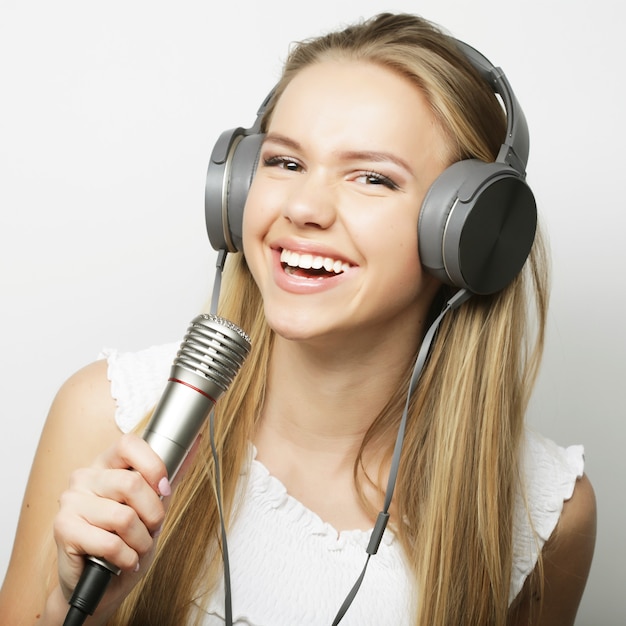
{"x": 213, "y": 348}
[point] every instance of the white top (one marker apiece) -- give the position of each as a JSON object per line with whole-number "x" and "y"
{"x": 290, "y": 567}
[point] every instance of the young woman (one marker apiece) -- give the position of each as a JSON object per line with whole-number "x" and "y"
{"x": 489, "y": 524}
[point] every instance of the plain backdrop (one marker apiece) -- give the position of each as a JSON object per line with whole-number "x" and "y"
{"x": 108, "y": 114}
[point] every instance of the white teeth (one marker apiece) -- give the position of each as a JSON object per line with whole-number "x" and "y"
{"x": 308, "y": 261}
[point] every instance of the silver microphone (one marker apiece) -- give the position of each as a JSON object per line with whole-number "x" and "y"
{"x": 208, "y": 360}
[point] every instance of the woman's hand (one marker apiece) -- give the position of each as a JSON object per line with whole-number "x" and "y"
{"x": 112, "y": 513}
{"x": 107, "y": 511}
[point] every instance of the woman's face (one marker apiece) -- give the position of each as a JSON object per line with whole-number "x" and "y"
{"x": 330, "y": 225}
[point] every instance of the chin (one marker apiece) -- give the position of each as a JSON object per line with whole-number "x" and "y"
{"x": 292, "y": 331}
{"x": 295, "y": 326}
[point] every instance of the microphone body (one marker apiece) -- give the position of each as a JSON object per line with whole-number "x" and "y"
{"x": 208, "y": 360}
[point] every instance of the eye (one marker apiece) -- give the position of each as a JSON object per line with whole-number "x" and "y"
{"x": 375, "y": 178}
{"x": 283, "y": 162}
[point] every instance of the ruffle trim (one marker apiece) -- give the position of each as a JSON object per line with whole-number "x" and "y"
{"x": 137, "y": 381}
{"x": 550, "y": 473}
{"x": 270, "y": 492}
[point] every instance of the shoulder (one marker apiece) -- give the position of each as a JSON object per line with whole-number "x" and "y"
{"x": 92, "y": 382}
{"x": 567, "y": 558}
{"x": 549, "y": 475}
{"x": 80, "y": 424}
{"x": 82, "y": 411}
{"x": 579, "y": 513}
{"x": 555, "y": 518}
{"x": 569, "y": 551}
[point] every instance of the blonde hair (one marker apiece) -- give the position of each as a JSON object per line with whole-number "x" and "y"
{"x": 459, "y": 469}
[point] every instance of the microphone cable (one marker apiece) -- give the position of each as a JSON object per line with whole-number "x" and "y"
{"x": 208, "y": 360}
{"x": 88, "y": 592}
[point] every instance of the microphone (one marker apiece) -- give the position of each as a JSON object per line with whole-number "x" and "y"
{"x": 208, "y": 360}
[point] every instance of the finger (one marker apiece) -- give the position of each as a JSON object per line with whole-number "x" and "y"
{"x": 77, "y": 536}
{"x": 132, "y": 452}
{"x": 102, "y": 490}
{"x": 133, "y": 526}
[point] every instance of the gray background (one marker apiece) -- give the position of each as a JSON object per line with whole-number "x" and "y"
{"x": 108, "y": 113}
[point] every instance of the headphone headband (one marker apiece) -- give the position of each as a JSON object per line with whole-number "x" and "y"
{"x": 515, "y": 147}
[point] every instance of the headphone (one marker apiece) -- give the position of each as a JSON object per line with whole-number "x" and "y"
{"x": 477, "y": 222}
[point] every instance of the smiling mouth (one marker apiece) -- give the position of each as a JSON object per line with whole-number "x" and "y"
{"x": 311, "y": 265}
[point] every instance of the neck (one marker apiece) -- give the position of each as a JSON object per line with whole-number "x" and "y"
{"x": 326, "y": 398}
{"x": 318, "y": 407}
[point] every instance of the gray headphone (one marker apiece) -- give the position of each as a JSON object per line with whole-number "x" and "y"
{"x": 477, "y": 222}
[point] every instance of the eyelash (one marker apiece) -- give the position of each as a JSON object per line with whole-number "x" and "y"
{"x": 380, "y": 179}
{"x": 374, "y": 178}
{"x": 280, "y": 161}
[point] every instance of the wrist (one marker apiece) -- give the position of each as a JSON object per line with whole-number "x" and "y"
{"x": 56, "y": 610}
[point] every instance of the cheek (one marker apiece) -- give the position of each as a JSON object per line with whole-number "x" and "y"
{"x": 392, "y": 239}
{"x": 262, "y": 208}
{"x": 257, "y": 220}
{"x": 405, "y": 264}
{"x": 393, "y": 250}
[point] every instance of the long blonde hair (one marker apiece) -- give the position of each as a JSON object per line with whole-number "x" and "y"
{"x": 459, "y": 469}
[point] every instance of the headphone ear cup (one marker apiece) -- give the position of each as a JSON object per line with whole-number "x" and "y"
{"x": 477, "y": 225}
{"x": 231, "y": 169}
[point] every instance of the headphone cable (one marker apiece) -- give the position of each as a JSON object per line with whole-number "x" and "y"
{"x": 454, "y": 302}
{"x": 459, "y": 298}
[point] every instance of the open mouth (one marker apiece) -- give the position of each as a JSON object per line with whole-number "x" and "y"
{"x": 311, "y": 265}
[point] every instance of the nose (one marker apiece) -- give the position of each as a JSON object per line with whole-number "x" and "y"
{"x": 310, "y": 202}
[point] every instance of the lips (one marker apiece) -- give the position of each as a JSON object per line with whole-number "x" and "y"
{"x": 311, "y": 264}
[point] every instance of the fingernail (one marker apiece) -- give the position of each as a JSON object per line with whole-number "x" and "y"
{"x": 157, "y": 532}
{"x": 136, "y": 567}
{"x": 165, "y": 489}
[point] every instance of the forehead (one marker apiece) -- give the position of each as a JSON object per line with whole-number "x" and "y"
{"x": 357, "y": 102}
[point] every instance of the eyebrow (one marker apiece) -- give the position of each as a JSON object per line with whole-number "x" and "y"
{"x": 354, "y": 155}
{"x": 375, "y": 156}
{"x": 282, "y": 140}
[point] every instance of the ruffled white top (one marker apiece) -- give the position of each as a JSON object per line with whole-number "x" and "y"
{"x": 290, "y": 567}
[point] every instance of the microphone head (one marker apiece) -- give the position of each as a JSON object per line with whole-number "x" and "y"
{"x": 208, "y": 360}
{"x": 214, "y": 349}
